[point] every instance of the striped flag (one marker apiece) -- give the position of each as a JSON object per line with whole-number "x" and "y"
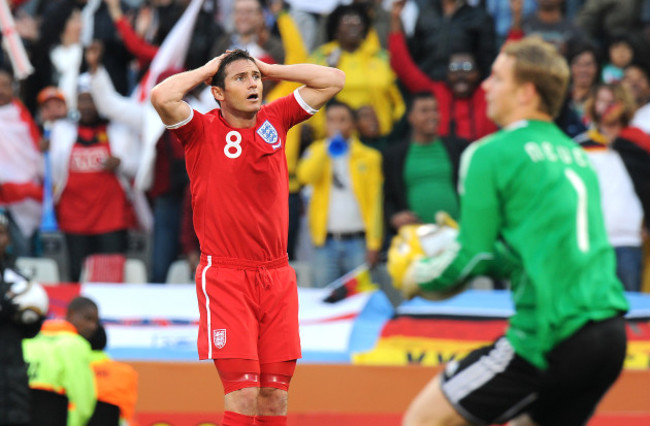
{"x": 354, "y": 282}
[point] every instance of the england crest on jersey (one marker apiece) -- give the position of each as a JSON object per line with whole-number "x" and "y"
{"x": 219, "y": 337}
{"x": 269, "y": 134}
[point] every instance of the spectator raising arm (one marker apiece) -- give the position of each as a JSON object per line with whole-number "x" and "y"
{"x": 113, "y": 106}
{"x": 142, "y": 50}
{"x": 408, "y": 72}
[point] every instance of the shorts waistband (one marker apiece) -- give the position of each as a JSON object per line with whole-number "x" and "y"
{"x": 234, "y": 263}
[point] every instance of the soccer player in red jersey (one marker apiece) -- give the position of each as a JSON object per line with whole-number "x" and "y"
{"x": 247, "y": 293}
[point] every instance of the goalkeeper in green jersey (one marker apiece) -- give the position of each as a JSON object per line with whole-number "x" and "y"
{"x": 530, "y": 211}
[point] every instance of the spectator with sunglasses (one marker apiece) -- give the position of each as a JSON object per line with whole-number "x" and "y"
{"x": 460, "y": 98}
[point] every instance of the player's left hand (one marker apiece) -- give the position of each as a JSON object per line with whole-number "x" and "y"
{"x": 212, "y": 66}
{"x": 263, "y": 67}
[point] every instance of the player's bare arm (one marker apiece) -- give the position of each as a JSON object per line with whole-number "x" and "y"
{"x": 167, "y": 96}
{"x": 320, "y": 83}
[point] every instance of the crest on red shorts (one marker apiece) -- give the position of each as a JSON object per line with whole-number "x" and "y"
{"x": 219, "y": 337}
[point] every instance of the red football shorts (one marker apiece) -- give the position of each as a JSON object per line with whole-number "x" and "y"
{"x": 248, "y": 309}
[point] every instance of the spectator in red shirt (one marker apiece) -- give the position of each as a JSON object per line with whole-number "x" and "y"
{"x": 461, "y": 99}
{"x": 91, "y": 165}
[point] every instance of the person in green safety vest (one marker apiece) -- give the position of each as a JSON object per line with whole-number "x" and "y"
{"x": 60, "y": 375}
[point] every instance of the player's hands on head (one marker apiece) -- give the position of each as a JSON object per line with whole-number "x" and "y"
{"x": 212, "y": 66}
{"x": 263, "y": 67}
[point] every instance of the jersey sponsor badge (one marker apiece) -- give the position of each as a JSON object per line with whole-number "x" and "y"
{"x": 269, "y": 134}
{"x": 219, "y": 338}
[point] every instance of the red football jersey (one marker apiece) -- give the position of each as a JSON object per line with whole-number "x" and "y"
{"x": 93, "y": 201}
{"x": 239, "y": 180}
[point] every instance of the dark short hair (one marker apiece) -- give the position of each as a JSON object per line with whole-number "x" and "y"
{"x": 333, "y": 103}
{"x": 576, "y": 46}
{"x": 98, "y": 340}
{"x": 7, "y": 69}
{"x": 80, "y": 303}
{"x": 641, "y": 65}
{"x": 417, "y": 96}
{"x": 219, "y": 78}
{"x": 349, "y": 9}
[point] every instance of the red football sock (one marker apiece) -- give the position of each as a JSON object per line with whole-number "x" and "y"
{"x": 230, "y": 418}
{"x": 271, "y": 420}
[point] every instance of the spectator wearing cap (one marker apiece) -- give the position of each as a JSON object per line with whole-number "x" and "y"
{"x": 92, "y": 162}
{"x": 21, "y": 169}
{"x": 51, "y": 105}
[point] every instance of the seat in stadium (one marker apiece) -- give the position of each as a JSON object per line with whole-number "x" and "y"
{"x": 40, "y": 269}
{"x": 113, "y": 268}
{"x": 179, "y": 272}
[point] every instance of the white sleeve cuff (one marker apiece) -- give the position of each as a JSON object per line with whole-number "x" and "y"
{"x": 303, "y": 104}
{"x": 184, "y": 122}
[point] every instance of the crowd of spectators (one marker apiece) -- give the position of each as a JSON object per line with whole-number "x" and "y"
{"x": 413, "y": 95}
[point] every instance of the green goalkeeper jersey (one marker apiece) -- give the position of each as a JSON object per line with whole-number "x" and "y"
{"x": 530, "y": 208}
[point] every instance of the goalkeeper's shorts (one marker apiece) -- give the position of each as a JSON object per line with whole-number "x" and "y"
{"x": 494, "y": 384}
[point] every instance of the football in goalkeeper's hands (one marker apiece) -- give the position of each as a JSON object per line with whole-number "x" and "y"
{"x": 413, "y": 242}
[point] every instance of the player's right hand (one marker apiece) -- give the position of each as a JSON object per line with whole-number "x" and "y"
{"x": 412, "y": 243}
{"x": 212, "y": 66}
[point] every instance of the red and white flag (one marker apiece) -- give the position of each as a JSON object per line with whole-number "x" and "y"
{"x": 170, "y": 56}
{"x": 13, "y": 44}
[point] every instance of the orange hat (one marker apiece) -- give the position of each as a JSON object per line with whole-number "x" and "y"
{"x": 50, "y": 92}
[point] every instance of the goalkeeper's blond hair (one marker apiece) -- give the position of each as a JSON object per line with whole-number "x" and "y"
{"x": 541, "y": 64}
